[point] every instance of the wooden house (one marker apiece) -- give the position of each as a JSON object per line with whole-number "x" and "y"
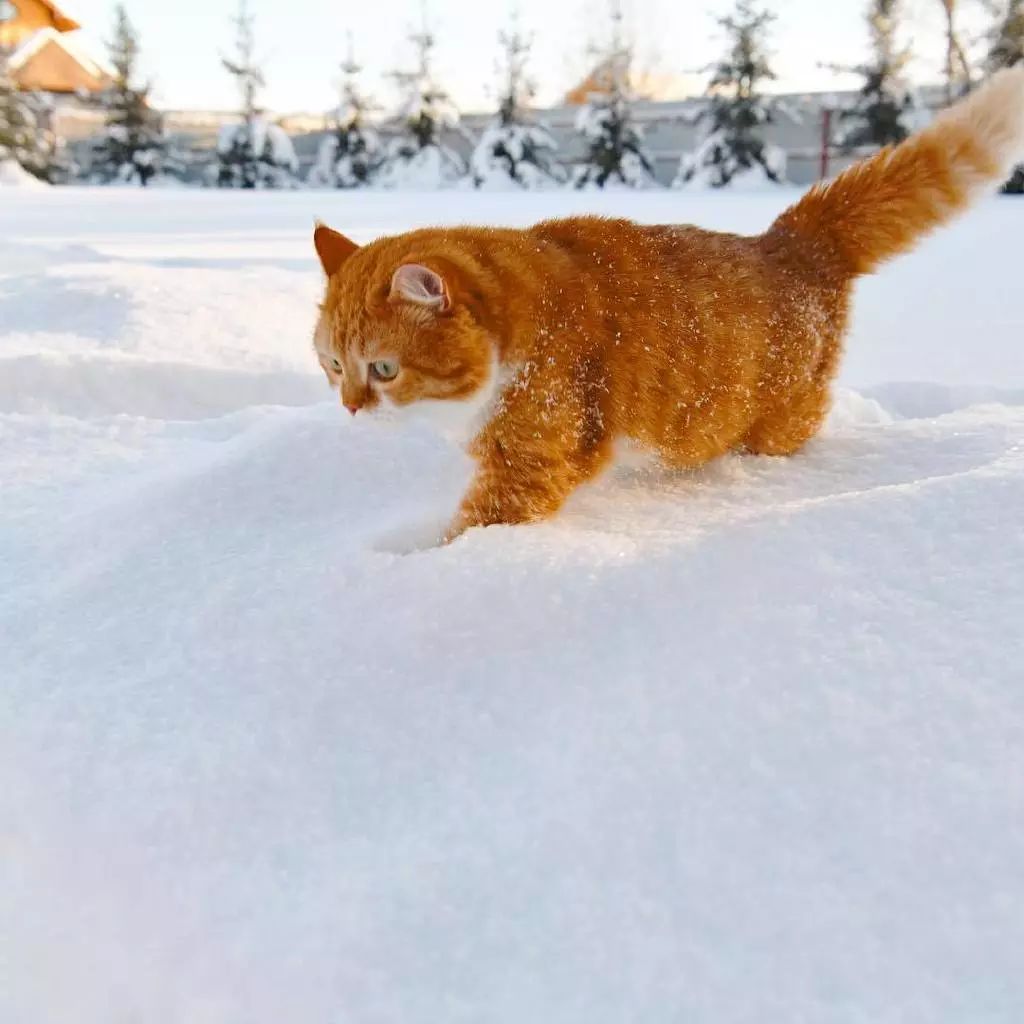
{"x": 42, "y": 52}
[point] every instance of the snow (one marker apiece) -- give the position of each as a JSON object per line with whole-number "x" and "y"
{"x": 350, "y": 166}
{"x": 516, "y": 155}
{"x": 716, "y": 164}
{"x": 13, "y": 175}
{"x": 735, "y": 746}
{"x": 704, "y": 169}
{"x": 409, "y": 169}
{"x": 69, "y": 42}
{"x": 606, "y": 124}
{"x": 268, "y": 140}
{"x": 258, "y": 152}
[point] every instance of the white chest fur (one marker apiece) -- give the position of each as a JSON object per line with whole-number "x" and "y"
{"x": 458, "y": 421}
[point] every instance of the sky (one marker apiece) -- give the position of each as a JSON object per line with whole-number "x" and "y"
{"x": 303, "y": 41}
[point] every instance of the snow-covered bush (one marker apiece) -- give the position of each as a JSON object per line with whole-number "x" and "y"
{"x": 347, "y": 158}
{"x": 1007, "y": 49}
{"x": 614, "y": 142}
{"x": 255, "y": 154}
{"x": 27, "y": 142}
{"x": 615, "y": 151}
{"x": 416, "y": 157}
{"x": 516, "y": 155}
{"x": 733, "y": 150}
{"x": 1007, "y": 37}
{"x": 514, "y": 151}
{"x": 351, "y": 154}
{"x": 882, "y": 112}
{"x": 420, "y": 168}
{"x": 719, "y": 161}
{"x": 126, "y": 155}
{"x": 132, "y": 148}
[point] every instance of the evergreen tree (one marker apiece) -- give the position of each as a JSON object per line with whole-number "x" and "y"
{"x": 416, "y": 156}
{"x": 514, "y": 150}
{"x": 879, "y": 115}
{"x": 1007, "y": 49}
{"x": 27, "y": 143}
{"x": 351, "y": 154}
{"x": 1007, "y": 39}
{"x": 254, "y": 153}
{"x": 615, "y": 150}
{"x": 132, "y": 146}
{"x": 733, "y": 146}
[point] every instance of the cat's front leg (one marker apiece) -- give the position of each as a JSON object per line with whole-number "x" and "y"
{"x": 504, "y": 494}
{"x": 526, "y": 481}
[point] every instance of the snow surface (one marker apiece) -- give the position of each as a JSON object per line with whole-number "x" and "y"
{"x": 13, "y": 175}
{"x": 742, "y": 745}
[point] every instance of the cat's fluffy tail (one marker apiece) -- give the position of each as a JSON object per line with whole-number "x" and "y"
{"x": 880, "y": 207}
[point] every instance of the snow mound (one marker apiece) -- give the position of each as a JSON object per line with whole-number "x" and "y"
{"x": 13, "y": 175}
{"x": 738, "y": 745}
{"x": 254, "y": 154}
{"x": 91, "y": 385}
{"x": 515, "y": 156}
{"x": 269, "y": 141}
{"x": 713, "y": 164}
{"x": 425, "y": 169}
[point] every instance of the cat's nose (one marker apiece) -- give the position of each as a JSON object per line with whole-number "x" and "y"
{"x": 352, "y": 408}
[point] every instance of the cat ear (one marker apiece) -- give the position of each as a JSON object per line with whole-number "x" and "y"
{"x": 420, "y": 285}
{"x": 332, "y": 247}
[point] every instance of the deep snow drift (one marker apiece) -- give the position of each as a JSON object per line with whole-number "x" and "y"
{"x": 744, "y": 745}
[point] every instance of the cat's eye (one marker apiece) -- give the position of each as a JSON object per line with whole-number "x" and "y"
{"x": 385, "y": 369}
{"x": 336, "y": 364}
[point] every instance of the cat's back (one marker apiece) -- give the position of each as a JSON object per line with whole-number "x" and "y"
{"x": 616, "y": 246}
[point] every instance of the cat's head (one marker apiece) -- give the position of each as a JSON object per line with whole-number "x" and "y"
{"x": 400, "y": 326}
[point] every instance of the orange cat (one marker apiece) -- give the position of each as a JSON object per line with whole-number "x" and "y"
{"x": 553, "y": 341}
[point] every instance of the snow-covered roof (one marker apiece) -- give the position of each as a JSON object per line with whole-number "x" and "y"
{"x": 35, "y": 43}
{"x": 62, "y": 21}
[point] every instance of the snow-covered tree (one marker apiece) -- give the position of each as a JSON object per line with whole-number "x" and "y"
{"x": 253, "y": 153}
{"x": 417, "y": 157}
{"x": 880, "y": 115}
{"x": 1007, "y": 38}
{"x": 733, "y": 147}
{"x": 515, "y": 150}
{"x": 614, "y": 142}
{"x": 132, "y": 147}
{"x": 27, "y": 142}
{"x": 1007, "y": 49}
{"x": 351, "y": 154}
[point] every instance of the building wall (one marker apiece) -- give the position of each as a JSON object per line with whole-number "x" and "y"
{"x": 53, "y": 69}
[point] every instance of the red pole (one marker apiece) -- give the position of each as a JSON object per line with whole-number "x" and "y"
{"x": 826, "y": 140}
